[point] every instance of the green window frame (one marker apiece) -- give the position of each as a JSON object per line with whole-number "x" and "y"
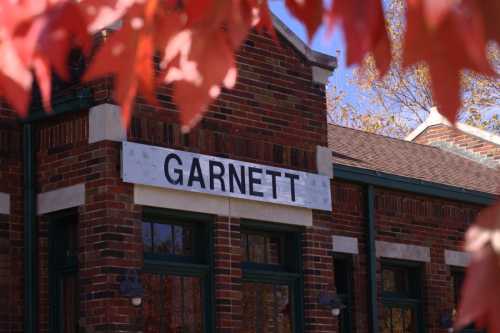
{"x": 287, "y": 272}
{"x": 63, "y": 264}
{"x": 343, "y": 275}
{"x": 199, "y": 264}
{"x": 404, "y": 293}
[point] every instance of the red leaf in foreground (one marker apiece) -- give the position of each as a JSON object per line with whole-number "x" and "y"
{"x": 15, "y": 78}
{"x": 128, "y": 55}
{"x": 364, "y": 30}
{"x": 100, "y": 14}
{"x": 198, "y": 63}
{"x": 458, "y": 42}
{"x": 45, "y": 40}
{"x": 309, "y": 12}
{"x": 480, "y": 301}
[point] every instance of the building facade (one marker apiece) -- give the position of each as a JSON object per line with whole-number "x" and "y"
{"x": 258, "y": 220}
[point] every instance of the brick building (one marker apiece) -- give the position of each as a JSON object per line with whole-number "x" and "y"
{"x": 242, "y": 225}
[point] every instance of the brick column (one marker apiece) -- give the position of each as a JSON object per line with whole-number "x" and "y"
{"x": 318, "y": 274}
{"x": 227, "y": 268}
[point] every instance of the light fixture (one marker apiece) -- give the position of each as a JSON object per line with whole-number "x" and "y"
{"x": 446, "y": 320}
{"x": 131, "y": 287}
{"x": 332, "y": 301}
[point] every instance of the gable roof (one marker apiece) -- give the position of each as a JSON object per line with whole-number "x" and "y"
{"x": 435, "y": 118}
{"x": 407, "y": 159}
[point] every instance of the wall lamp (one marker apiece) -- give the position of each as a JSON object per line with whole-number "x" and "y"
{"x": 131, "y": 287}
{"x": 446, "y": 321}
{"x": 331, "y": 301}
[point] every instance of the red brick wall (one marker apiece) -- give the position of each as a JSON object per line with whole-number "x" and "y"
{"x": 406, "y": 218}
{"x": 453, "y": 136}
{"x": 11, "y": 226}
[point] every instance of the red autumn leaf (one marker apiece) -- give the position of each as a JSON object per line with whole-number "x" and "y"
{"x": 45, "y": 40}
{"x": 364, "y": 30}
{"x": 309, "y": 12}
{"x": 480, "y": 301}
{"x": 128, "y": 55}
{"x": 265, "y": 22}
{"x": 489, "y": 12}
{"x": 458, "y": 42}
{"x": 15, "y": 79}
{"x": 100, "y": 14}
{"x": 198, "y": 63}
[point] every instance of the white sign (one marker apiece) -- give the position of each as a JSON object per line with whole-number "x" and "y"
{"x": 180, "y": 170}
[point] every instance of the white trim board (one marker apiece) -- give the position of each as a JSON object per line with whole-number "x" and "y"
{"x": 62, "y": 198}
{"x": 4, "y": 203}
{"x": 402, "y": 251}
{"x": 343, "y": 244}
{"x": 456, "y": 258}
{"x": 222, "y": 206}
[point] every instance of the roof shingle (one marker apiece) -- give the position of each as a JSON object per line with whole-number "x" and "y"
{"x": 379, "y": 153}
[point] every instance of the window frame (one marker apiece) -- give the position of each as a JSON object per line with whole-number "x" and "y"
{"x": 289, "y": 273}
{"x": 199, "y": 265}
{"x": 349, "y": 297}
{"x": 56, "y": 270}
{"x": 417, "y": 301}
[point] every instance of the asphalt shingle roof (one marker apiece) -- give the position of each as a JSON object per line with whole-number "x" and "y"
{"x": 398, "y": 157}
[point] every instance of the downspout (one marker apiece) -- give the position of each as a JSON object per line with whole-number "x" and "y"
{"x": 372, "y": 258}
{"x": 30, "y": 232}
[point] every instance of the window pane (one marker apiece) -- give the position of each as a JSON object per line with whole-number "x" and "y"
{"x": 188, "y": 242}
{"x": 69, "y": 303}
{"x": 387, "y": 320}
{"x": 342, "y": 274}
{"x": 397, "y": 320}
{"x": 244, "y": 243}
{"x": 395, "y": 280}
{"x": 257, "y": 248}
{"x": 266, "y": 308}
{"x": 172, "y": 304}
{"x": 389, "y": 280}
{"x": 163, "y": 242}
{"x": 262, "y": 248}
{"x": 408, "y": 320}
{"x": 147, "y": 238}
{"x": 283, "y": 307}
{"x": 274, "y": 250}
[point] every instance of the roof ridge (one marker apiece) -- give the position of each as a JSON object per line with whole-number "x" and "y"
{"x": 384, "y": 136}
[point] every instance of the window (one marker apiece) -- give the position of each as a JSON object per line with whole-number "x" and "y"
{"x": 63, "y": 272}
{"x": 457, "y": 279}
{"x": 176, "y": 275}
{"x": 272, "y": 292}
{"x": 401, "y": 298}
{"x": 342, "y": 268}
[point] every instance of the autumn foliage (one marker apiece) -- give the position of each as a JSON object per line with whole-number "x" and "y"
{"x": 195, "y": 42}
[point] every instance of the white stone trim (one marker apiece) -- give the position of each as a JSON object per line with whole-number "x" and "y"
{"x": 62, "y": 198}
{"x": 320, "y": 75}
{"x": 105, "y": 123}
{"x": 324, "y": 161}
{"x": 4, "y": 203}
{"x": 402, "y": 251}
{"x": 343, "y": 244}
{"x": 222, "y": 206}
{"x": 456, "y": 258}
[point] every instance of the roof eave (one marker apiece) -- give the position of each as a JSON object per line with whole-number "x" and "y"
{"x": 412, "y": 185}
